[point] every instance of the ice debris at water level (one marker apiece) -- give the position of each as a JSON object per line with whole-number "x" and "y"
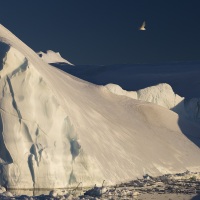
{"x": 58, "y": 130}
{"x": 170, "y": 186}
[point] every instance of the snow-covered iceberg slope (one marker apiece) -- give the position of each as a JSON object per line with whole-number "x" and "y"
{"x": 57, "y": 130}
{"x": 52, "y": 57}
{"x": 163, "y": 95}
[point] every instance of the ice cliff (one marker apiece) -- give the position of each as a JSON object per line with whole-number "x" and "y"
{"x": 57, "y": 130}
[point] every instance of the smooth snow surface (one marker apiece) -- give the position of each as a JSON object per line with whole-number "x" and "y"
{"x": 52, "y": 57}
{"x": 163, "y": 95}
{"x": 57, "y": 130}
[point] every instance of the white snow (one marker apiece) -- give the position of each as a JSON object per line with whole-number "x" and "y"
{"x": 163, "y": 95}
{"x": 52, "y": 57}
{"x": 58, "y": 130}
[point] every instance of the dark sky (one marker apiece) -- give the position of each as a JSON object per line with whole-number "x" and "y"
{"x": 106, "y": 31}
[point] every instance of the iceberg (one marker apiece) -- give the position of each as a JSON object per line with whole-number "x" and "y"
{"x": 58, "y": 130}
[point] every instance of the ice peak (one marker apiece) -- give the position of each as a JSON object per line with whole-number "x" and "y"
{"x": 52, "y": 57}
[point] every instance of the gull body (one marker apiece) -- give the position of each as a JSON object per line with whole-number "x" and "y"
{"x": 142, "y": 28}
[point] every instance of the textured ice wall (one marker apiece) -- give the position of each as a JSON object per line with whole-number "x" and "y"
{"x": 38, "y": 143}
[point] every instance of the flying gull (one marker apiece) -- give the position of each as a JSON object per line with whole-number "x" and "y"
{"x": 142, "y": 28}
